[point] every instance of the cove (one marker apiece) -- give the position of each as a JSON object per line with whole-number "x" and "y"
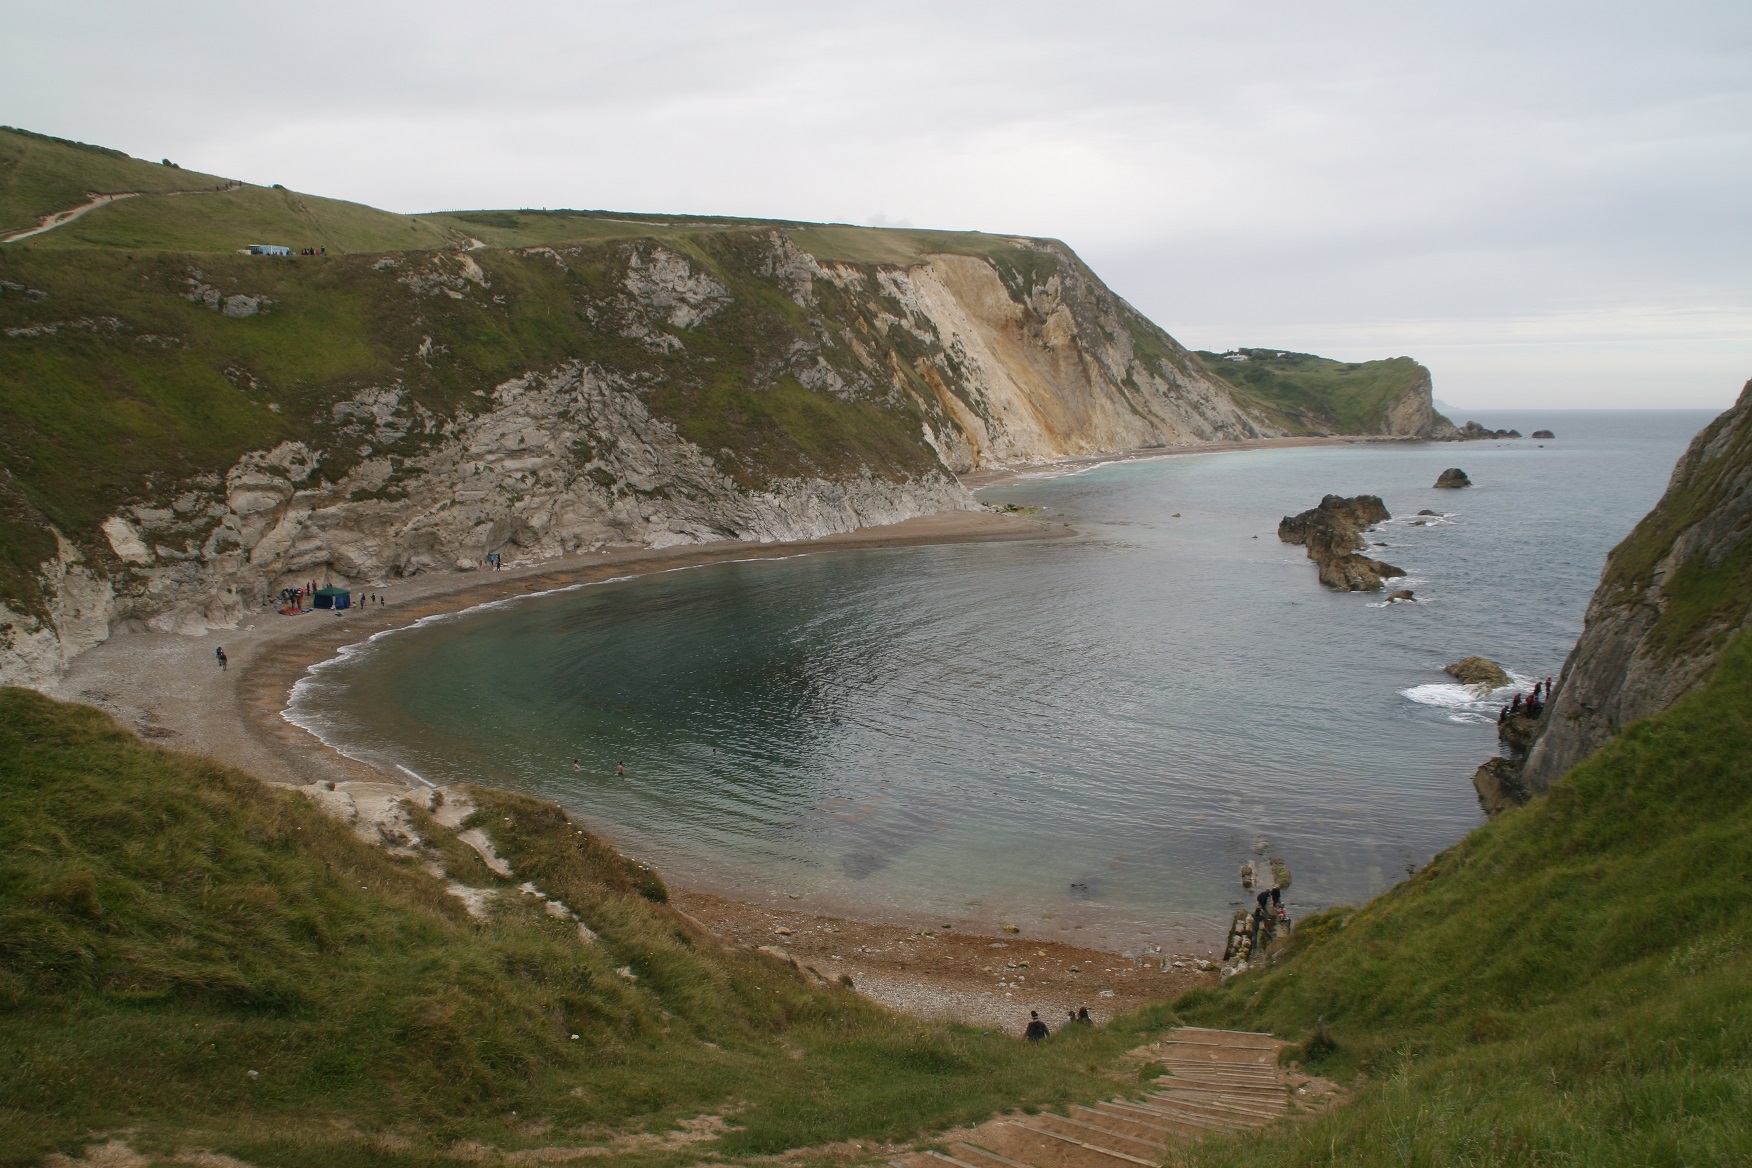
{"x": 1085, "y": 737}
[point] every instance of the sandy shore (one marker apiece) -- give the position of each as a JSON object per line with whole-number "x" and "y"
{"x": 990, "y": 980}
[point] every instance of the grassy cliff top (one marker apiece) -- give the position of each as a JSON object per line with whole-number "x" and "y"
{"x": 190, "y": 956}
{"x": 1316, "y": 394}
{"x": 185, "y": 211}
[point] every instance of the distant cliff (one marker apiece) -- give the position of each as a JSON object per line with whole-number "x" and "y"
{"x": 1306, "y": 394}
{"x": 1672, "y": 596}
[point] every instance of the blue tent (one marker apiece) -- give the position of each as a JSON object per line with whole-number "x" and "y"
{"x": 333, "y": 598}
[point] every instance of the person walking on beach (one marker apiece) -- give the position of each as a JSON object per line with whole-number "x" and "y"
{"x": 1036, "y": 1028}
{"x": 219, "y": 655}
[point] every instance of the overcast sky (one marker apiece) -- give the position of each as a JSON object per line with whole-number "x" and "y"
{"x": 1550, "y": 204}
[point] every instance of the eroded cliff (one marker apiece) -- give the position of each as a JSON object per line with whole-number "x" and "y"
{"x": 188, "y": 434}
{"x": 1672, "y": 596}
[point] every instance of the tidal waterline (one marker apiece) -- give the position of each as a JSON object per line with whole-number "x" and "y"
{"x": 1085, "y": 736}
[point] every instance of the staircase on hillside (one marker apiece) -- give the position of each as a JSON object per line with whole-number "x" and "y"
{"x": 1219, "y": 1081}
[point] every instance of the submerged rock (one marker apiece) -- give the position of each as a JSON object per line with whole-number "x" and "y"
{"x": 1453, "y": 477}
{"x": 1478, "y": 671}
{"x": 1402, "y": 594}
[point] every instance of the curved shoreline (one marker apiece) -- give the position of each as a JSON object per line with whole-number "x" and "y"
{"x": 169, "y": 689}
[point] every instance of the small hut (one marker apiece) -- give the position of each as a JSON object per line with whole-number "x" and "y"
{"x": 333, "y": 598}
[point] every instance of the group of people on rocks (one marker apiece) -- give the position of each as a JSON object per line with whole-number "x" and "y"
{"x": 1038, "y": 1030}
{"x": 1532, "y": 705}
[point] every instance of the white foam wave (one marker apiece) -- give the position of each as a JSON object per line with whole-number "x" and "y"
{"x": 1467, "y": 702}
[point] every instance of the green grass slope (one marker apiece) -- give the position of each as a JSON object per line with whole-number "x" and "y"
{"x": 1571, "y": 984}
{"x": 1316, "y": 395}
{"x": 179, "y": 210}
{"x": 199, "y": 961}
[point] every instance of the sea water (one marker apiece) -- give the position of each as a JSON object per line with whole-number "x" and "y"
{"x": 1085, "y": 737}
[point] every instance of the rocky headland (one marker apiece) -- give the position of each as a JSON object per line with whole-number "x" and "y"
{"x": 1332, "y": 533}
{"x": 1672, "y": 595}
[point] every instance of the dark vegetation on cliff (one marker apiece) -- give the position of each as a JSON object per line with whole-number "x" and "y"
{"x": 1317, "y": 395}
{"x": 168, "y": 926}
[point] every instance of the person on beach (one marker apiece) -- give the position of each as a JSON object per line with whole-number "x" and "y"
{"x": 1036, "y": 1028}
{"x": 1264, "y": 895}
{"x": 1070, "y": 1017}
{"x": 1277, "y": 897}
{"x": 219, "y": 655}
{"x": 1083, "y": 1018}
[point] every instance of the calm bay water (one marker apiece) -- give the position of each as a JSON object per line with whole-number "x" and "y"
{"x": 1084, "y": 736}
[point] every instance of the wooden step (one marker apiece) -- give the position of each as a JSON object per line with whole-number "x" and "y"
{"x": 1217, "y": 1105}
{"x": 984, "y": 1157}
{"x": 952, "y": 1160}
{"x": 1115, "y": 1115}
{"x": 1184, "y": 1122}
{"x": 1212, "y": 1109}
{"x": 1086, "y": 1145}
{"x": 1178, "y": 1082}
{"x": 1099, "y": 1133}
{"x": 1046, "y": 1149}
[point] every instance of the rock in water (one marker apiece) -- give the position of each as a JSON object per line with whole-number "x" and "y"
{"x": 1543, "y": 434}
{"x": 1478, "y": 671}
{"x": 1453, "y": 477}
{"x": 1333, "y": 534}
{"x": 1402, "y": 594}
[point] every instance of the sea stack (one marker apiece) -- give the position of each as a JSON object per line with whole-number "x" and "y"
{"x": 1332, "y": 533}
{"x": 1453, "y": 477}
{"x": 1543, "y": 434}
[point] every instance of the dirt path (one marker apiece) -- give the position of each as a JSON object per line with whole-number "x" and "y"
{"x": 61, "y": 218}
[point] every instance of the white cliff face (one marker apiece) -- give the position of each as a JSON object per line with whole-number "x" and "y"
{"x": 985, "y": 365}
{"x": 561, "y": 462}
{"x": 1056, "y": 374}
{"x": 35, "y": 651}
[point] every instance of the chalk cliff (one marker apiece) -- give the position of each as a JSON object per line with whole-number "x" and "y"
{"x": 534, "y": 401}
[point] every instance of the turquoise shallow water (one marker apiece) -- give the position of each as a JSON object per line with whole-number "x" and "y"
{"x": 1086, "y": 736}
